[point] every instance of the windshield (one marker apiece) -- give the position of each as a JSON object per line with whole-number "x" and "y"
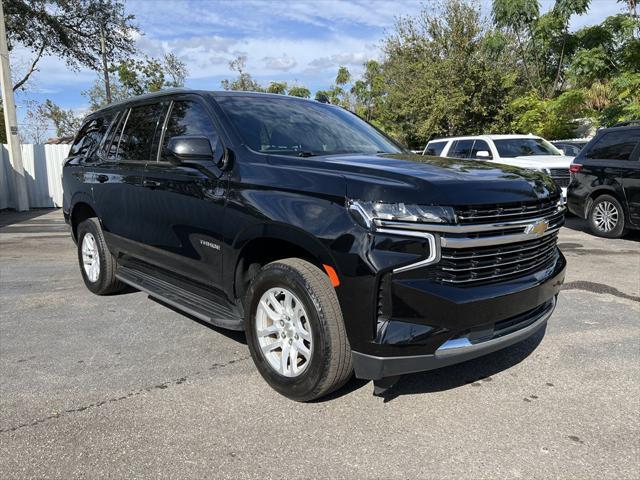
{"x": 520, "y": 147}
{"x": 285, "y": 126}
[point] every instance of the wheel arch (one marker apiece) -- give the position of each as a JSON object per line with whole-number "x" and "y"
{"x": 81, "y": 209}
{"x": 262, "y": 244}
{"x": 605, "y": 190}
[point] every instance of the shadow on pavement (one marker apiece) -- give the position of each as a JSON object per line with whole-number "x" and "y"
{"x": 474, "y": 372}
{"x": 232, "y": 334}
{"x": 10, "y": 217}
{"x": 579, "y": 225}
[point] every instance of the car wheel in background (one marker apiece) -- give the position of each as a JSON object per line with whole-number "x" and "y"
{"x": 606, "y": 217}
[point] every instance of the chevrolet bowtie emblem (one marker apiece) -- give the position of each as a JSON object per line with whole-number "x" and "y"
{"x": 537, "y": 228}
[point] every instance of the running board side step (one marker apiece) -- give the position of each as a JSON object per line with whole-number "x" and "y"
{"x": 195, "y": 301}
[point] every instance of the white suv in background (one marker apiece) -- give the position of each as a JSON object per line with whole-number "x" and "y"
{"x": 526, "y": 151}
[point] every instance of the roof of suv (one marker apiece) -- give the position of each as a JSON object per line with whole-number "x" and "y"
{"x": 490, "y": 137}
{"x": 174, "y": 91}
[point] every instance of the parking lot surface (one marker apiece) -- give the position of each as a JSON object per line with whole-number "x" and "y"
{"x": 121, "y": 386}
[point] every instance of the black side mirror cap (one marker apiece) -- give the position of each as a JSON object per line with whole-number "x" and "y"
{"x": 189, "y": 148}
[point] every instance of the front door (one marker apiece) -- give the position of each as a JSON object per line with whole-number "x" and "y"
{"x": 185, "y": 204}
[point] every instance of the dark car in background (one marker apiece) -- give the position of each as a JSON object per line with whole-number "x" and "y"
{"x": 605, "y": 181}
{"x": 333, "y": 248}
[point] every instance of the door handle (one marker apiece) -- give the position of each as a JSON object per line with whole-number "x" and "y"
{"x": 102, "y": 178}
{"x": 150, "y": 183}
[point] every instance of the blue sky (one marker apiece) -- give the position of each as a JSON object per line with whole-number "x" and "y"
{"x": 296, "y": 41}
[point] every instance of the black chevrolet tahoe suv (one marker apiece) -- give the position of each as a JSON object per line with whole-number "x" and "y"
{"x": 605, "y": 181}
{"x": 333, "y": 248}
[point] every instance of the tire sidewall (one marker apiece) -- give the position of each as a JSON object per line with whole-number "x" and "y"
{"x": 279, "y": 275}
{"x": 89, "y": 226}
{"x": 619, "y": 229}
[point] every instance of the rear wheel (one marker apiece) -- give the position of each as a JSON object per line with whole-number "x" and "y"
{"x": 295, "y": 330}
{"x": 606, "y": 217}
{"x": 97, "y": 264}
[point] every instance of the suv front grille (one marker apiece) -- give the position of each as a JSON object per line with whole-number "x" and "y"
{"x": 489, "y": 244}
{"x": 505, "y": 213}
{"x": 493, "y": 263}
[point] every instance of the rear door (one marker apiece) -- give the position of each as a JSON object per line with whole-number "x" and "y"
{"x": 185, "y": 204}
{"x": 614, "y": 160}
{"x": 119, "y": 177}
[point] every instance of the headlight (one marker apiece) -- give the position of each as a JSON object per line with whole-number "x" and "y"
{"x": 367, "y": 212}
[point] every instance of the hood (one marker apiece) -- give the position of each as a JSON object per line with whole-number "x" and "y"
{"x": 537, "y": 162}
{"x": 429, "y": 180}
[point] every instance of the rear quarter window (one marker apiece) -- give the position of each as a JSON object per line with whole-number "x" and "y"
{"x": 90, "y": 136}
{"x": 614, "y": 146}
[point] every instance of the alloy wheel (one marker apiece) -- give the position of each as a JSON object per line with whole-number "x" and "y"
{"x": 90, "y": 257}
{"x": 605, "y": 216}
{"x": 284, "y": 332}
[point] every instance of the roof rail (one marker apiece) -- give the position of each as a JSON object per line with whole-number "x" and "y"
{"x": 627, "y": 123}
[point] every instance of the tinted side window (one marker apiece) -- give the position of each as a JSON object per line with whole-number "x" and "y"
{"x": 189, "y": 118}
{"x": 615, "y": 145}
{"x": 480, "y": 146}
{"x": 91, "y": 135}
{"x": 461, "y": 149}
{"x": 110, "y": 147}
{"x": 137, "y": 139}
{"x": 434, "y": 148}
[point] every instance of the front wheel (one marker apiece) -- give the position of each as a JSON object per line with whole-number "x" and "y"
{"x": 606, "y": 217}
{"x": 295, "y": 330}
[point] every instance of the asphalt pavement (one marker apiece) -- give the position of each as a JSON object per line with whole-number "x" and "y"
{"x": 123, "y": 387}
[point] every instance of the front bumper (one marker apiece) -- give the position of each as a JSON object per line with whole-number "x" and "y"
{"x": 451, "y": 352}
{"x": 431, "y": 326}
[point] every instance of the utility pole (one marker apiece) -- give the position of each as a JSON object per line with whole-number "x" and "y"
{"x": 105, "y": 68}
{"x": 11, "y": 123}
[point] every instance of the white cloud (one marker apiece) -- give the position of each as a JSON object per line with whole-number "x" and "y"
{"x": 283, "y": 63}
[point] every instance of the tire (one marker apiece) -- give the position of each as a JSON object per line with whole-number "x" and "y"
{"x": 101, "y": 280}
{"x": 606, "y": 217}
{"x": 326, "y": 364}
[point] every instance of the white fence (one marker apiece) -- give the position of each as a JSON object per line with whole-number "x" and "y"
{"x": 43, "y": 172}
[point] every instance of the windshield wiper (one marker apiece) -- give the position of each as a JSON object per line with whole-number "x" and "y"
{"x": 307, "y": 154}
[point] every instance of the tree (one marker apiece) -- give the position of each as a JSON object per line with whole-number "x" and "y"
{"x": 244, "y": 81}
{"x": 369, "y": 91}
{"x": 70, "y": 30}
{"x": 136, "y": 77}
{"x": 175, "y": 69}
{"x": 36, "y": 124}
{"x": 543, "y": 41}
{"x": 299, "y": 91}
{"x": 445, "y": 72}
{"x": 277, "y": 87}
{"x": 66, "y": 122}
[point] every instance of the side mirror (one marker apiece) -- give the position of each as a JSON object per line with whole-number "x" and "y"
{"x": 561, "y": 150}
{"x": 186, "y": 149}
{"x": 483, "y": 154}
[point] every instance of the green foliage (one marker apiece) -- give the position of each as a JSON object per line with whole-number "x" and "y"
{"x": 277, "y": 87}
{"x": 138, "y": 76}
{"x": 549, "y": 118}
{"x": 445, "y": 74}
{"x": 69, "y": 30}
{"x": 65, "y": 122}
{"x": 299, "y": 91}
{"x": 243, "y": 82}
